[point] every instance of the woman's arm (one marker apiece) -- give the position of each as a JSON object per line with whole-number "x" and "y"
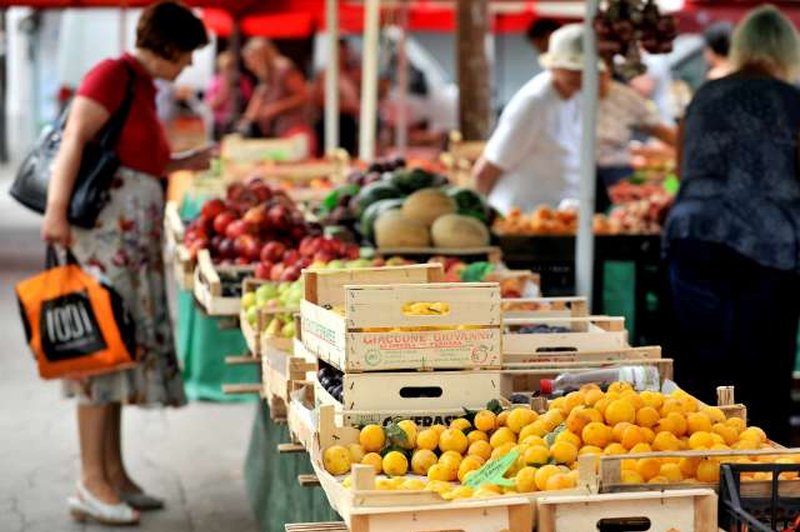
{"x": 485, "y": 175}
{"x": 295, "y": 84}
{"x": 666, "y": 134}
{"x": 86, "y": 118}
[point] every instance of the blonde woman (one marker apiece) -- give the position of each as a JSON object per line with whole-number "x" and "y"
{"x": 733, "y": 237}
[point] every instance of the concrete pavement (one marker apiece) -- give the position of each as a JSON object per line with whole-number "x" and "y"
{"x": 192, "y": 456}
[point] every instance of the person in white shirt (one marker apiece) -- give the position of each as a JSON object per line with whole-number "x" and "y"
{"x": 533, "y": 156}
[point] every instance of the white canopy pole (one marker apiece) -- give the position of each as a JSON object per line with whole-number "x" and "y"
{"x": 401, "y": 125}
{"x": 584, "y": 244}
{"x": 369, "y": 82}
{"x": 332, "y": 77}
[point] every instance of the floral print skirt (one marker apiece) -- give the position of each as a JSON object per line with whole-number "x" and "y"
{"x": 125, "y": 247}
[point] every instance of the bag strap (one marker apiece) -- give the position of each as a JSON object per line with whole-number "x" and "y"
{"x": 111, "y": 133}
{"x": 51, "y": 257}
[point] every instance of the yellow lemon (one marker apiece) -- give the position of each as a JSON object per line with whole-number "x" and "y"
{"x": 633, "y": 398}
{"x": 698, "y": 422}
{"x": 470, "y": 463}
{"x": 670, "y": 405}
{"x": 520, "y": 417}
{"x": 533, "y": 440}
{"x": 569, "y": 437}
{"x": 592, "y": 396}
{"x": 475, "y": 435}
{"x": 754, "y": 434}
{"x": 652, "y": 399}
{"x": 452, "y": 458}
{"x": 453, "y": 440}
{"x": 647, "y": 416}
{"x": 615, "y": 448}
{"x": 460, "y": 424}
{"x": 629, "y": 476}
{"x": 658, "y": 479}
{"x": 707, "y": 471}
{"x": 372, "y": 438}
{"x": 648, "y": 467}
{"x": 410, "y": 428}
{"x": 428, "y": 439}
{"x": 736, "y": 423}
{"x": 534, "y": 429}
{"x": 525, "y": 481}
{"x": 559, "y": 481}
{"x": 461, "y": 492}
{"x": 632, "y": 436}
{"x": 672, "y": 472}
{"x": 439, "y": 472}
{"x": 414, "y": 484}
{"x": 501, "y": 451}
{"x": 564, "y": 452}
{"x": 688, "y": 466}
{"x": 641, "y": 448}
{"x": 590, "y": 449}
{"x": 714, "y": 414}
{"x": 666, "y": 441}
{"x": 395, "y": 464}
{"x": 480, "y": 448}
{"x": 649, "y": 434}
{"x": 356, "y": 453}
{"x": 701, "y": 440}
{"x": 543, "y": 474}
{"x": 374, "y": 460}
{"x": 500, "y": 420}
{"x": 485, "y": 421}
{"x": 502, "y": 436}
{"x": 439, "y": 428}
{"x": 620, "y": 411}
{"x": 536, "y": 455}
{"x": 336, "y": 459}
{"x": 572, "y": 400}
{"x": 619, "y": 387}
{"x": 422, "y": 460}
{"x": 596, "y": 434}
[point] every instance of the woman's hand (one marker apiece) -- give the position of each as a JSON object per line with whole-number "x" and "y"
{"x": 56, "y": 228}
{"x": 194, "y": 160}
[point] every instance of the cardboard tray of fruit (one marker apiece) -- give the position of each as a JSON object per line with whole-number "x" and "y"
{"x": 535, "y": 334}
{"x": 428, "y": 398}
{"x": 545, "y": 307}
{"x": 358, "y": 326}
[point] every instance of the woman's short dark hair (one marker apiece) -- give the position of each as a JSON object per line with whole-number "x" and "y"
{"x": 541, "y": 27}
{"x": 169, "y": 29}
{"x": 718, "y": 38}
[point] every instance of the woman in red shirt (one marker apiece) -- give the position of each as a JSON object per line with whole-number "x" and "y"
{"x": 125, "y": 248}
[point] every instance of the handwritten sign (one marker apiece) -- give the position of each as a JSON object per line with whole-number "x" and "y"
{"x": 492, "y": 473}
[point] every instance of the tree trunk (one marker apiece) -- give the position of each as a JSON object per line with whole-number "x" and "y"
{"x": 473, "y": 69}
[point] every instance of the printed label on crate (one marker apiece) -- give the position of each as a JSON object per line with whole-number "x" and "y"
{"x": 425, "y": 349}
{"x": 318, "y": 330}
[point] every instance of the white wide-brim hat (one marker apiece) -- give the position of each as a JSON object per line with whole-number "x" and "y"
{"x": 566, "y": 49}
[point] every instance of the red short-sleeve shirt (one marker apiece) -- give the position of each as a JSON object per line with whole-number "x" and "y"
{"x": 143, "y": 144}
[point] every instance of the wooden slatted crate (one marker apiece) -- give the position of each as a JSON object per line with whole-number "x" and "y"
{"x": 368, "y": 337}
{"x": 208, "y": 286}
{"x": 427, "y": 398}
{"x": 588, "y": 333}
{"x": 545, "y": 307}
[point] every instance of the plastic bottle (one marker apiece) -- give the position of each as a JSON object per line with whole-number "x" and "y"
{"x": 640, "y": 377}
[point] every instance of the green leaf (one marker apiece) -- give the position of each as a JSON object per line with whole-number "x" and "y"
{"x": 494, "y": 406}
{"x": 395, "y": 435}
{"x": 476, "y": 272}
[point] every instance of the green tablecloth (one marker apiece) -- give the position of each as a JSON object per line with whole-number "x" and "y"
{"x": 202, "y": 348}
{"x": 271, "y": 479}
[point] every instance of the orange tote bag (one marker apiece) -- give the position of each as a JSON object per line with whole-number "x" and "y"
{"x": 76, "y": 326}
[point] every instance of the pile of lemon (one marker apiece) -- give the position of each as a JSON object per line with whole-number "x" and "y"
{"x": 589, "y": 421}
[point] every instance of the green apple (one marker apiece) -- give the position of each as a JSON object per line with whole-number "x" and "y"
{"x": 288, "y": 330}
{"x": 248, "y": 300}
{"x": 265, "y": 292}
{"x": 252, "y": 315}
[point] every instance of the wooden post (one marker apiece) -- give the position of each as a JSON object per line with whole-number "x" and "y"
{"x": 369, "y": 81}
{"x": 473, "y": 68}
{"x": 332, "y": 78}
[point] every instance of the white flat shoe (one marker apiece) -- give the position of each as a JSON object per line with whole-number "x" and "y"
{"x": 87, "y": 507}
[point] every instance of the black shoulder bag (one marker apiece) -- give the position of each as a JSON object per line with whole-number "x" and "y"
{"x": 99, "y": 164}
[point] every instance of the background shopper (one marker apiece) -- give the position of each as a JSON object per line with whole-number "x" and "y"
{"x": 228, "y": 93}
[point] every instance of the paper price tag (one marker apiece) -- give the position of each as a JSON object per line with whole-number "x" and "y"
{"x": 493, "y": 472}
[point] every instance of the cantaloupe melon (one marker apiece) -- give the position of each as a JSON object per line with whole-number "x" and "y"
{"x": 459, "y": 231}
{"x": 393, "y": 230}
{"x": 427, "y": 205}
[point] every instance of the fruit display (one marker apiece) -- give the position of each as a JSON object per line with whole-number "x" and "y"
{"x": 272, "y": 296}
{"x": 626, "y": 191}
{"x": 279, "y": 262}
{"x": 251, "y": 222}
{"x": 330, "y": 379}
{"x": 542, "y": 328}
{"x": 590, "y": 421}
{"x": 394, "y": 206}
{"x": 642, "y": 217}
{"x": 623, "y": 26}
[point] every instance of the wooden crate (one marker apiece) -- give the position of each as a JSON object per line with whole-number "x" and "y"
{"x": 525, "y": 375}
{"x": 426, "y": 398}
{"x": 301, "y": 416}
{"x": 208, "y": 286}
{"x": 238, "y": 151}
{"x": 589, "y": 333}
{"x": 344, "y": 342}
{"x": 183, "y": 264}
{"x": 280, "y": 369}
{"x": 545, "y": 307}
{"x": 693, "y": 510}
{"x": 366, "y": 509}
{"x": 173, "y": 224}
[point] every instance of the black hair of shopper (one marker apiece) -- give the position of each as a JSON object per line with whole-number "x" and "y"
{"x": 541, "y": 27}
{"x": 169, "y": 29}
{"x": 718, "y": 38}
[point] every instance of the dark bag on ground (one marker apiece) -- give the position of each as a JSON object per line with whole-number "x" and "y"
{"x": 99, "y": 164}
